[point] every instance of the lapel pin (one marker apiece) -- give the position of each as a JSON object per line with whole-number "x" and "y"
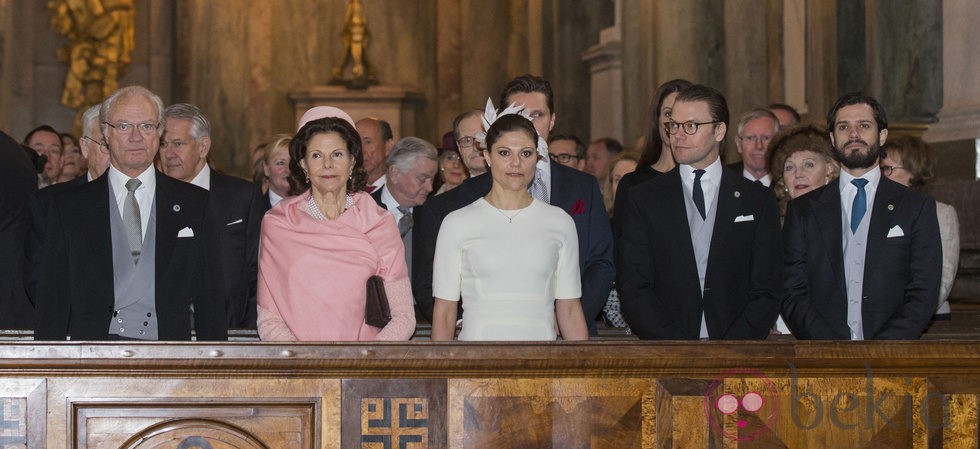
{"x": 737, "y": 194}
{"x": 891, "y": 207}
{"x": 176, "y": 207}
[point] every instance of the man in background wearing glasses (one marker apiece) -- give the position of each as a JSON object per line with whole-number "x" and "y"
{"x": 567, "y": 150}
{"x": 700, "y": 252}
{"x": 755, "y": 130}
{"x": 129, "y": 256}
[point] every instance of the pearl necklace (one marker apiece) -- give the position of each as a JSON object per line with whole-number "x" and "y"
{"x": 315, "y": 210}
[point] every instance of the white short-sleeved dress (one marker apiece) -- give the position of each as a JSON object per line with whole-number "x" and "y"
{"x": 510, "y": 272}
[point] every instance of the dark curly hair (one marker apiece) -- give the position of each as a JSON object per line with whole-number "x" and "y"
{"x": 298, "y": 181}
{"x": 508, "y": 123}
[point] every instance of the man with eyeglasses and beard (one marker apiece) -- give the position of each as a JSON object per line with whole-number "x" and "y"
{"x": 863, "y": 258}
{"x": 699, "y": 255}
{"x": 130, "y": 255}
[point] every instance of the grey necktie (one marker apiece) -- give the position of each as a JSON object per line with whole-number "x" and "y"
{"x": 538, "y": 189}
{"x": 131, "y": 219}
{"x": 405, "y": 223}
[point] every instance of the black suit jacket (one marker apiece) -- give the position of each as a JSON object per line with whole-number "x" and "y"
{"x": 237, "y": 207}
{"x": 658, "y": 285}
{"x": 18, "y": 182}
{"x": 75, "y": 290}
{"x": 38, "y": 207}
{"x": 901, "y": 274}
{"x": 575, "y": 192}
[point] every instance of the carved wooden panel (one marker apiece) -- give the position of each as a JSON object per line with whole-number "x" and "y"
{"x": 565, "y": 413}
{"x": 275, "y": 413}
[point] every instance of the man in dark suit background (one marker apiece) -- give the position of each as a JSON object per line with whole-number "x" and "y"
{"x": 755, "y": 130}
{"x": 96, "y": 154}
{"x": 235, "y": 204}
{"x": 574, "y": 191}
{"x": 410, "y": 168}
{"x": 129, "y": 255}
{"x": 699, "y": 255}
{"x": 863, "y": 258}
{"x": 18, "y": 182}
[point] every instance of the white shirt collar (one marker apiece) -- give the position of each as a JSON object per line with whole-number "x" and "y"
{"x": 765, "y": 180}
{"x": 203, "y": 178}
{"x": 712, "y": 173}
{"x": 118, "y": 181}
{"x": 391, "y": 203}
{"x": 274, "y": 198}
{"x": 873, "y": 177}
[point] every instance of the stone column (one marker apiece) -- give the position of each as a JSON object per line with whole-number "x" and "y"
{"x": 606, "y": 84}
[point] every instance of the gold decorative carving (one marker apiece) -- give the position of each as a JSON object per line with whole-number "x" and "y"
{"x": 100, "y": 40}
{"x": 356, "y": 37}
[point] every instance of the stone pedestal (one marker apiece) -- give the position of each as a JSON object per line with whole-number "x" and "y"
{"x": 605, "y": 61}
{"x": 396, "y": 105}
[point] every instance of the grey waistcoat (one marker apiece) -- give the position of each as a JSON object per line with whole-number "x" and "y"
{"x": 134, "y": 314}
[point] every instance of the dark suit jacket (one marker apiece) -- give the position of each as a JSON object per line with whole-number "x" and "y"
{"x": 575, "y": 192}
{"x": 630, "y": 180}
{"x": 658, "y": 285}
{"x": 18, "y": 182}
{"x": 237, "y": 207}
{"x": 38, "y": 207}
{"x": 901, "y": 274}
{"x": 75, "y": 290}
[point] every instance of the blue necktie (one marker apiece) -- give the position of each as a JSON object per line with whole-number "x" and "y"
{"x": 860, "y": 204}
{"x": 698, "y": 192}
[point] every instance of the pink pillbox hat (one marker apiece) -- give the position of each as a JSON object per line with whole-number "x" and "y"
{"x": 318, "y": 112}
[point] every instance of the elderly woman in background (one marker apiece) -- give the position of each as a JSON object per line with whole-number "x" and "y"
{"x": 909, "y": 161}
{"x": 320, "y": 246}
{"x": 513, "y": 258}
{"x": 277, "y": 169}
{"x": 801, "y": 159}
{"x": 452, "y": 171}
{"x": 620, "y": 165}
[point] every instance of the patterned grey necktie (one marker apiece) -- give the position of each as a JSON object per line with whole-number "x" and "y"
{"x": 538, "y": 190}
{"x": 131, "y": 219}
{"x": 405, "y": 223}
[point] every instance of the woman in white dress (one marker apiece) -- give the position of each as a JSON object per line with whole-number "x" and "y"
{"x": 514, "y": 258}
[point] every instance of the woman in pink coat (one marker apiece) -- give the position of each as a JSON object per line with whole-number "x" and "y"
{"x": 319, "y": 247}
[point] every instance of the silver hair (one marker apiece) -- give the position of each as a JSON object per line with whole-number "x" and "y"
{"x": 754, "y": 114}
{"x": 406, "y": 150}
{"x": 90, "y": 120}
{"x": 129, "y": 91}
{"x": 200, "y": 126}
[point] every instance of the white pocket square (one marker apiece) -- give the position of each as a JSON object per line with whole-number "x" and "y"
{"x": 895, "y": 231}
{"x": 186, "y": 232}
{"x": 235, "y": 222}
{"x": 742, "y": 218}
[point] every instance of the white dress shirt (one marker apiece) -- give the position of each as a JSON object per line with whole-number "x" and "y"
{"x": 848, "y": 191}
{"x": 765, "y": 180}
{"x": 392, "y": 204}
{"x": 203, "y": 178}
{"x": 710, "y": 182}
{"x": 144, "y": 193}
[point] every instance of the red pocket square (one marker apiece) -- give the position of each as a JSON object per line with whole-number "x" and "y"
{"x": 577, "y": 208}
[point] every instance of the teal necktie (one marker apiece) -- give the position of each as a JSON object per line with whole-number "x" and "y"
{"x": 860, "y": 204}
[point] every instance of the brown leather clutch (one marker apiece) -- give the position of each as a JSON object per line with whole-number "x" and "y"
{"x": 377, "y": 313}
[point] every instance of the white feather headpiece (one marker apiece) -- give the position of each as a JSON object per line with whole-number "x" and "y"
{"x": 490, "y": 115}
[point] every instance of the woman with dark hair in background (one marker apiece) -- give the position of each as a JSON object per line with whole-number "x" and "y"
{"x": 320, "y": 246}
{"x": 909, "y": 161}
{"x": 513, "y": 258}
{"x": 656, "y": 157}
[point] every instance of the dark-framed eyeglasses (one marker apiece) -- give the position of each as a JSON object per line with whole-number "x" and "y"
{"x": 98, "y": 143}
{"x": 889, "y": 169}
{"x": 690, "y": 127}
{"x": 466, "y": 141}
{"x": 564, "y": 158}
{"x": 123, "y": 128}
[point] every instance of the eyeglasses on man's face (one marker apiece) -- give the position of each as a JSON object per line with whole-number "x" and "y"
{"x": 564, "y": 158}
{"x": 690, "y": 127}
{"x": 755, "y": 140}
{"x": 466, "y": 141}
{"x": 124, "y": 128}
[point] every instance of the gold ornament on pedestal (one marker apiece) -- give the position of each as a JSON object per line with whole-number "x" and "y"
{"x": 100, "y": 40}
{"x": 355, "y": 45}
